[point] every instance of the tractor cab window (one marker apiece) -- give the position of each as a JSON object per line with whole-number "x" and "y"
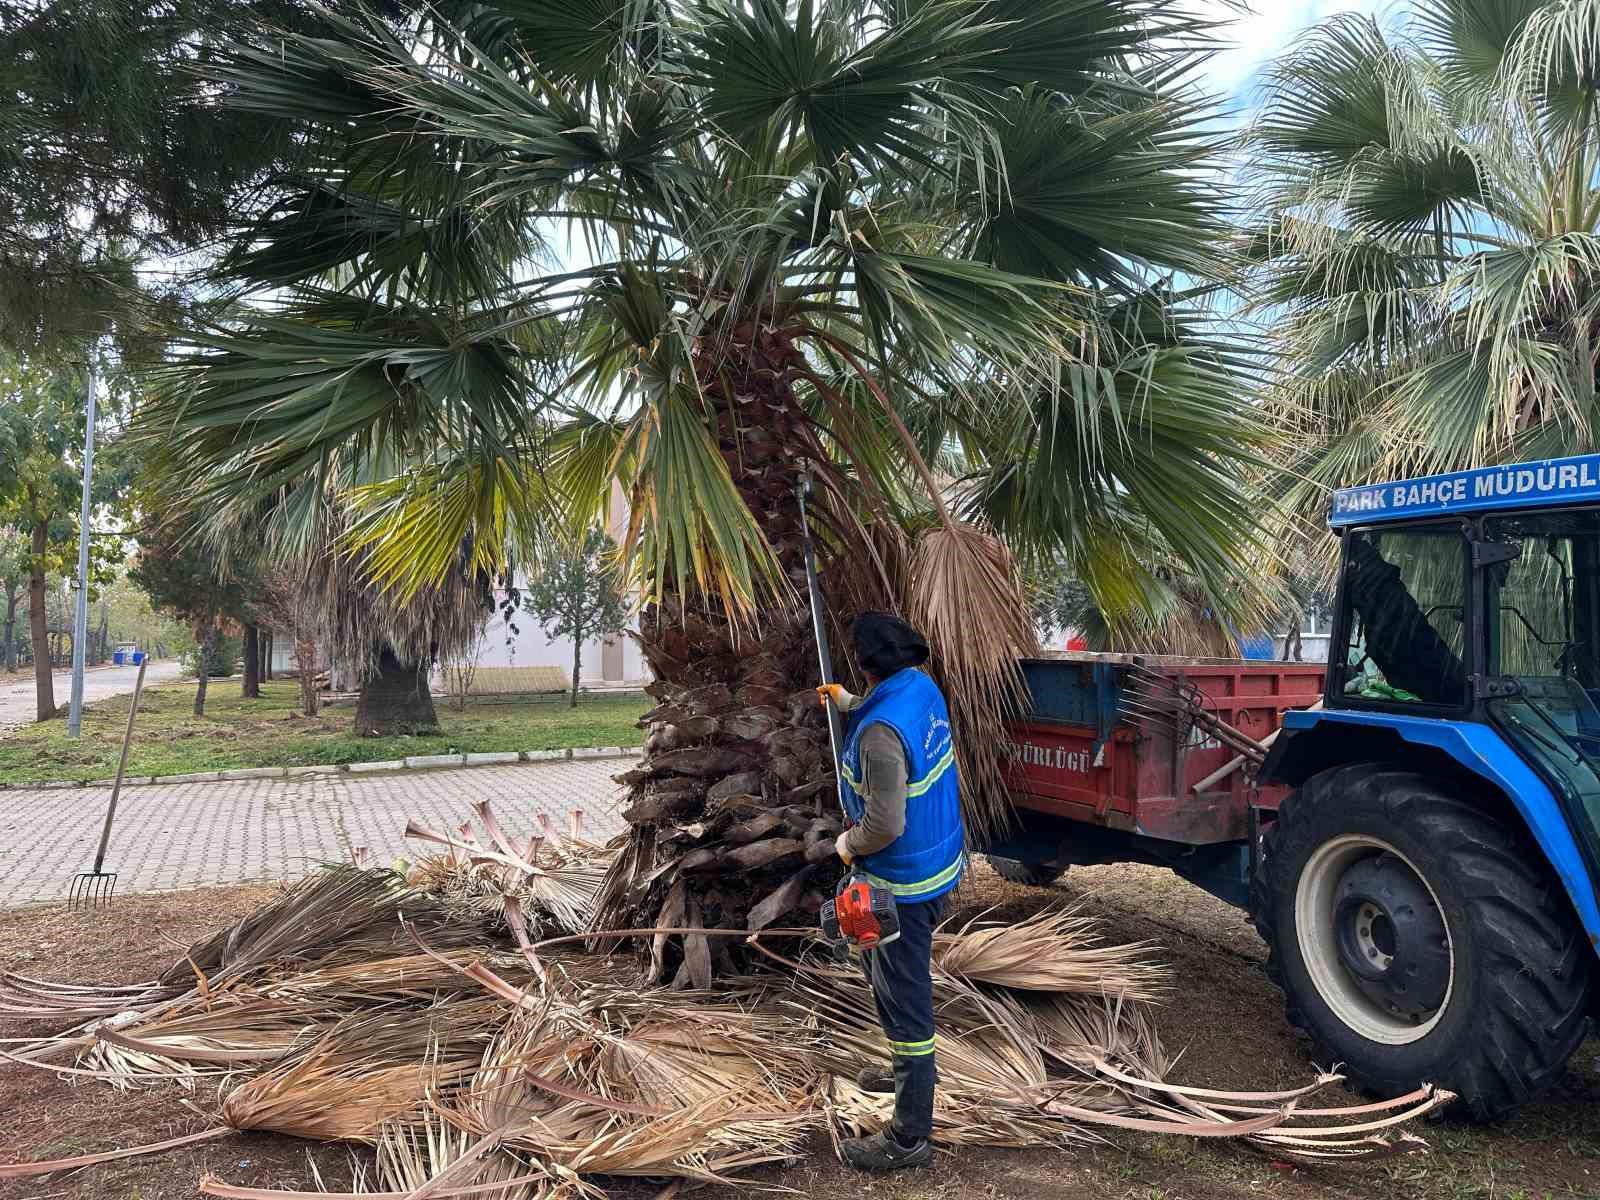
{"x": 1406, "y": 630}
{"x": 1542, "y": 623}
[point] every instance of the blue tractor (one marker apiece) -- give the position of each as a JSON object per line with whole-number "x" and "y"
{"x": 1428, "y": 889}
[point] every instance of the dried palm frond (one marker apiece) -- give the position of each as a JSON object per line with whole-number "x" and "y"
{"x": 967, "y": 600}
{"x": 474, "y": 1070}
{"x": 642, "y": 1088}
{"x": 335, "y": 914}
{"x": 1052, "y": 951}
{"x": 366, "y": 1072}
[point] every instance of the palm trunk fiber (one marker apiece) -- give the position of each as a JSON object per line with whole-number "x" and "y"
{"x": 731, "y": 809}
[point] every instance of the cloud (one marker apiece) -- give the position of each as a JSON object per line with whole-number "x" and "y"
{"x": 1262, "y": 34}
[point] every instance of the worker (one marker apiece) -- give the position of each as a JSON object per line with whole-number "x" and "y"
{"x": 905, "y": 833}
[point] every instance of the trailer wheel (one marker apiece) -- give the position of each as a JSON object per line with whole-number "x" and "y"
{"x": 1031, "y": 874}
{"x": 1419, "y": 938}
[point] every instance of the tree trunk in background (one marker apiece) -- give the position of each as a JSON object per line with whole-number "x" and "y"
{"x": 395, "y": 699}
{"x": 305, "y": 661}
{"x": 103, "y": 635}
{"x": 266, "y": 655}
{"x": 731, "y": 811}
{"x": 577, "y": 667}
{"x": 208, "y": 647}
{"x": 8, "y": 653}
{"x": 38, "y": 622}
{"x": 252, "y": 663}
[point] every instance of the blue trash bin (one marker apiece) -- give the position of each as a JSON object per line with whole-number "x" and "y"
{"x": 119, "y": 657}
{"x": 138, "y": 657}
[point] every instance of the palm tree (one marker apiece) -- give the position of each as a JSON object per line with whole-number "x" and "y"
{"x": 921, "y": 253}
{"x": 1426, "y": 243}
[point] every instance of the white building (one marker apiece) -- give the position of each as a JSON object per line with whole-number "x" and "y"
{"x": 521, "y": 642}
{"x": 511, "y": 648}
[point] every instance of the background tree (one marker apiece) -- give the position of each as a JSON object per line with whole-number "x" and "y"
{"x": 919, "y": 253}
{"x": 282, "y": 602}
{"x": 45, "y": 407}
{"x": 112, "y": 158}
{"x": 578, "y": 593}
{"x": 180, "y": 573}
{"x": 15, "y": 567}
{"x": 1427, "y": 241}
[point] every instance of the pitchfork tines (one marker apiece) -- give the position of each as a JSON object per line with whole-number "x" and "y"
{"x": 91, "y": 889}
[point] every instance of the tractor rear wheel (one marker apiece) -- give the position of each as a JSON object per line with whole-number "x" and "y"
{"x": 1420, "y": 938}
{"x": 1031, "y": 874}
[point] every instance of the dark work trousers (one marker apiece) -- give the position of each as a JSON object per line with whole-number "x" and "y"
{"x": 902, "y": 986}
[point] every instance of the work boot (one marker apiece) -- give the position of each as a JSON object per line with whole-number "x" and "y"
{"x": 877, "y": 1080}
{"x": 883, "y": 1152}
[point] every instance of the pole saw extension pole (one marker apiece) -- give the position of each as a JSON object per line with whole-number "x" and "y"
{"x": 820, "y": 628}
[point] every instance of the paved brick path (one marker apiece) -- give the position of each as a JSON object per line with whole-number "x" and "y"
{"x": 196, "y": 834}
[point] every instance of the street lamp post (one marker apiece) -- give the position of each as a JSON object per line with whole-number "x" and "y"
{"x": 80, "y": 621}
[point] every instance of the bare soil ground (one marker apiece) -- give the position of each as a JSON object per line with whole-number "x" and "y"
{"x": 1227, "y": 1020}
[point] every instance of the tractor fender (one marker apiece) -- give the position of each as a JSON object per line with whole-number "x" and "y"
{"x": 1314, "y": 741}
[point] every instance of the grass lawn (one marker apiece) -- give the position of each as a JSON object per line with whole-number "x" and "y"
{"x": 270, "y": 732}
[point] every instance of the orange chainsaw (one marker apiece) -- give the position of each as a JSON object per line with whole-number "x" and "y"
{"x": 859, "y": 915}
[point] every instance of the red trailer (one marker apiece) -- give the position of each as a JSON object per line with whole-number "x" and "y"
{"x": 1101, "y": 774}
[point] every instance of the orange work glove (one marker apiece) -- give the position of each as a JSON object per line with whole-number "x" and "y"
{"x": 842, "y": 699}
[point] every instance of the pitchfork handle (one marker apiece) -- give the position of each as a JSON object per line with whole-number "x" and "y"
{"x": 122, "y": 765}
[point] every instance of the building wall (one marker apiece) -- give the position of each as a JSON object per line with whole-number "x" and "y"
{"x": 522, "y": 643}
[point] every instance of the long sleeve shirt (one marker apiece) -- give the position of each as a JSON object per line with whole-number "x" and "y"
{"x": 883, "y": 778}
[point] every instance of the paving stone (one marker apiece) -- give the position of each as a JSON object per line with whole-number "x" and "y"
{"x": 435, "y": 760}
{"x": 496, "y": 756}
{"x": 388, "y": 764}
{"x": 207, "y": 832}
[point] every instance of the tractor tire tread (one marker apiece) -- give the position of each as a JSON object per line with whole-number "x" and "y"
{"x": 1527, "y": 937}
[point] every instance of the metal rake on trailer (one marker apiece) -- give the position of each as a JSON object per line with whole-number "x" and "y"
{"x": 1156, "y": 697}
{"x": 95, "y": 889}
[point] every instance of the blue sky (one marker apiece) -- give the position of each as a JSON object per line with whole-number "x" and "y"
{"x": 1261, "y": 35}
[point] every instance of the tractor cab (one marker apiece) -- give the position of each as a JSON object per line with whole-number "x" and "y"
{"x": 1490, "y": 616}
{"x": 1428, "y": 890}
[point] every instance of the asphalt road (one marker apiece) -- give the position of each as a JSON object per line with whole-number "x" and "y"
{"x": 16, "y": 691}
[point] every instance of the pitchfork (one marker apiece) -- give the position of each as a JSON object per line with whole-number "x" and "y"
{"x": 94, "y": 889}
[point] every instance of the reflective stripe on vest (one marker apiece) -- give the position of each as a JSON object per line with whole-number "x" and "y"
{"x": 910, "y": 891}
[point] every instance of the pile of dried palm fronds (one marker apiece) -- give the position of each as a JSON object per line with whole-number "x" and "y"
{"x": 391, "y": 1010}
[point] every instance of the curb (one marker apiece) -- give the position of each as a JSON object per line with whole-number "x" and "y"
{"x": 418, "y": 762}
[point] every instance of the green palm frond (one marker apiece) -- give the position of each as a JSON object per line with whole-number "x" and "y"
{"x": 1430, "y": 200}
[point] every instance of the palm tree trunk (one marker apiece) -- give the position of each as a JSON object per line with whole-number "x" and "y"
{"x": 43, "y": 681}
{"x": 395, "y": 699}
{"x": 729, "y": 808}
{"x": 252, "y": 663}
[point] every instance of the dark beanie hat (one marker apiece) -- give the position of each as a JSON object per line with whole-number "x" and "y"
{"x": 886, "y": 644}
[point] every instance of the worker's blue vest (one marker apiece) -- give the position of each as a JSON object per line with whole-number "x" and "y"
{"x": 925, "y": 861}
